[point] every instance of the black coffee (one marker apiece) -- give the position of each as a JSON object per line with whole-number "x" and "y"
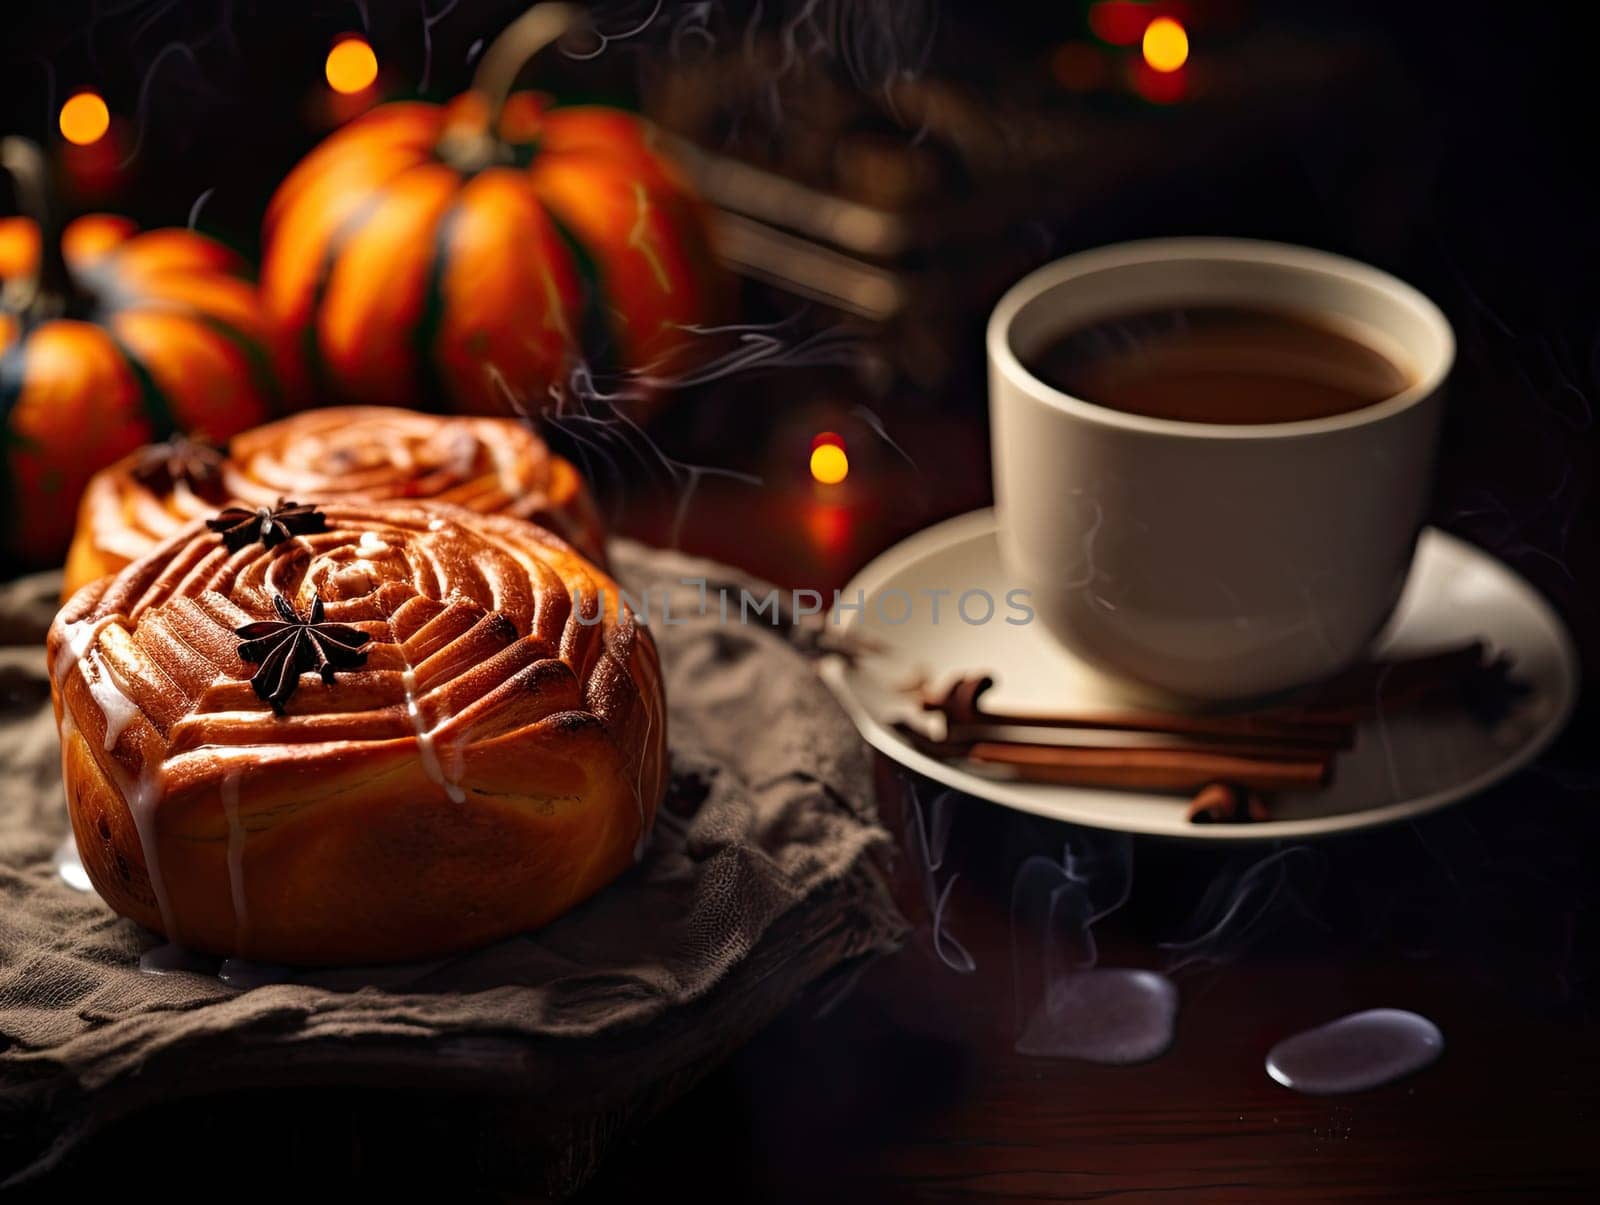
{"x": 1219, "y": 364}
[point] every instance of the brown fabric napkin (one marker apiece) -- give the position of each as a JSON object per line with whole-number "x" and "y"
{"x": 754, "y": 885}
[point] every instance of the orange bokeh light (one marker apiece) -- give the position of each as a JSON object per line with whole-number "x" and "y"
{"x": 829, "y": 464}
{"x": 84, "y": 119}
{"x": 1165, "y": 45}
{"x": 351, "y": 66}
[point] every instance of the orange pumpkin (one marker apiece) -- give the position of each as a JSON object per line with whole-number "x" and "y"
{"x": 110, "y": 339}
{"x": 469, "y": 251}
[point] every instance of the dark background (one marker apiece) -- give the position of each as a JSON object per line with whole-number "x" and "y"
{"x": 1456, "y": 151}
{"x": 1456, "y": 154}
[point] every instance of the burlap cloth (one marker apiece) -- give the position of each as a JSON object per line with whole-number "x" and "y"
{"x": 755, "y": 884}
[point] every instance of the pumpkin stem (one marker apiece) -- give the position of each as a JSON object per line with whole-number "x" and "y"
{"x": 509, "y": 53}
{"x": 51, "y": 287}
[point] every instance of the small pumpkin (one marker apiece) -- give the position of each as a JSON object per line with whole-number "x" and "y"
{"x": 467, "y": 252}
{"x": 110, "y": 339}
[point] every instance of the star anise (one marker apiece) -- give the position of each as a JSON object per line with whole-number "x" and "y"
{"x": 272, "y": 525}
{"x": 287, "y": 647}
{"x": 194, "y": 462}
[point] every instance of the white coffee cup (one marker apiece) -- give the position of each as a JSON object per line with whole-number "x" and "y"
{"x": 1211, "y": 561}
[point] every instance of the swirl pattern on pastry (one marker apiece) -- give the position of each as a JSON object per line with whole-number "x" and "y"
{"x": 488, "y": 465}
{"x": 497, "y": 756}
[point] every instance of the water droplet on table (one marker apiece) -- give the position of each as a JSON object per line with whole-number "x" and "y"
{"x": 243, "y": 974}
{"x": 168, "y": 959}
{"x": 70, "y": 867}
{"x": 1104, "y": 1015}
{"x": 1356, "y": 1052}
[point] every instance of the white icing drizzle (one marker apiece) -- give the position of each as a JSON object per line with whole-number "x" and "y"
{"x": 435, "y": 524}
{"x": 79, "y": 636}
{"x": 430, "y": 755}
{"x": 139, "y": 793}
{"x": 118, "y": 709}
{"x": 236, "y": 838}
{"x": 371, "y": 543}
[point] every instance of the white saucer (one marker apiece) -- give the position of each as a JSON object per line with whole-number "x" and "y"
{"x": 1401, "y": 766}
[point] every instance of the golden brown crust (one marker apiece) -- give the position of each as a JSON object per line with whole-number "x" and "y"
{"x": 496, "y": 759}
{"x": 488, "y": 465}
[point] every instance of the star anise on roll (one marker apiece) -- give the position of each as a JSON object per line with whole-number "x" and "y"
{"x": 287, "y": 647}
{"x": 272, "y": 525}
{"x": 183, "y": 458}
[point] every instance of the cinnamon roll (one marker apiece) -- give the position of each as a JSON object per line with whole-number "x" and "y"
{"x": 489, "y": 465}
{"x": 356, "y": 733}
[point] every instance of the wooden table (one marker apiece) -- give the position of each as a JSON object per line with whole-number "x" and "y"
{"x": 909, "y": 1087}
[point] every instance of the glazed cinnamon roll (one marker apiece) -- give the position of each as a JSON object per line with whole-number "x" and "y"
{"x": 489, "y": 465}
{"x": 355, "y": 733}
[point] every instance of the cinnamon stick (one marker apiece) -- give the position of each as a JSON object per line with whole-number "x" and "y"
{"x": 1150, "y": 769}
{"x": 962, "y": 710}
{"x": 1214, "y": 803}
{"x": 1223, "y": 803}
{"x": 1374, "y": 686}
{"x": 959, "y": 742}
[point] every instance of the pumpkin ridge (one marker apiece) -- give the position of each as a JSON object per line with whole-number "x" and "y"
{"x": 251, "y": 348}
{"x": 376, "y": 290}
{"x": 118, "y": 350}
{"x": 596, "y": 342}
{"x": 460, "y": 299}
{"x": 152, "y": 398}
{"x": 425, "y": 335}
{"x": 311, "y": 337}
{"x": 255, "y": 355}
